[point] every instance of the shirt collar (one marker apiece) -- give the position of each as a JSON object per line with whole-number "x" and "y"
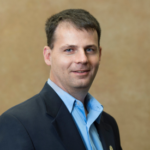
{"x": 94, "y": 105}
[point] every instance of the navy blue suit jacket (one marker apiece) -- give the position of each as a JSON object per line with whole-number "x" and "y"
{"x": 44, "y": 123}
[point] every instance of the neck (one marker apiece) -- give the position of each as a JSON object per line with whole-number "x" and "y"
{"x": 77, "y": 93}
{"x": 80, "y": 95}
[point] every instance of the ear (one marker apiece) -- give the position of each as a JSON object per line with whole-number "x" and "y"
{"x": 100, "y": 53}
{"x": 47, "y": 55}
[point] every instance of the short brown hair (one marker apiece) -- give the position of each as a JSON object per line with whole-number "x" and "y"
{"x": 79, "y": 17}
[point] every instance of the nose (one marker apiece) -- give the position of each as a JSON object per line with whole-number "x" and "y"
{"x": 81, "y": 57}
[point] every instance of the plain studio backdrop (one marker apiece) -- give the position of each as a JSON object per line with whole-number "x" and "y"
{"x": 122, "y": 84}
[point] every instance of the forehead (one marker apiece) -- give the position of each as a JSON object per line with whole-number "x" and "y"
{"x": 67, "y": 31}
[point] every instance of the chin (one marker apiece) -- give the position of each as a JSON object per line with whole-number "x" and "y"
{"x": 82, "y": 86}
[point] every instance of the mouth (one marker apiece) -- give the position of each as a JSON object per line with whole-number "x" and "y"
{"x": 81, "y": 72}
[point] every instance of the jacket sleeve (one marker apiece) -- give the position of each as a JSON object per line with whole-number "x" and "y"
{"x": 13, "y": 135}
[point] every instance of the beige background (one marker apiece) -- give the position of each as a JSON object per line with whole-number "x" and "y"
{"x": 122, "y": 84}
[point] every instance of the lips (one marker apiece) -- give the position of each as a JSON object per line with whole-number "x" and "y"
{"x": 81, "y": 72}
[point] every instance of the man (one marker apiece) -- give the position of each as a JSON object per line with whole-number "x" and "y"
{"x": 64, "y": 116}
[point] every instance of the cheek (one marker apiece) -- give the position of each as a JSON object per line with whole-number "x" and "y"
{"x": 95, "y": 62}
{"x": 62, "y": 64}
{"x": 66, "y": 63}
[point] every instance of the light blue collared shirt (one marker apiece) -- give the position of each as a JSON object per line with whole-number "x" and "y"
{"x": 85, "y": 124}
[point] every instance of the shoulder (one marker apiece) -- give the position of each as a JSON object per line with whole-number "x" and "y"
{"x": 34, "y": 109}
{"x": 108, "y": 119}
{"x": 27, "y": 107}
{"x": 16, "y": 122}
{"x": 24, "y": 113}
{"x": 31, "y": 106}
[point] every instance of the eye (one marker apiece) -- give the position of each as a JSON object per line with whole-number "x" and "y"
{"x": 68, "y": 50}
{"x": 90, "y": 50}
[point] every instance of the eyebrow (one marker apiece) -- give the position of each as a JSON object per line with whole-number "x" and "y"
{"x": 70, "y": 46}
{"x": 91, "y": 46}
{"x": 75, "y": 46}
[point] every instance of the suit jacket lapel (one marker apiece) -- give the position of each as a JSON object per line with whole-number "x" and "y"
{"x": 67, "y": 130}
{"x": 63, "y": 121}
{"x": 106, "y": 134}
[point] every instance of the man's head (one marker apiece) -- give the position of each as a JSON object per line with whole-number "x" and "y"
{"x": 73, "y": 50}
{"x": 78, "y": 17}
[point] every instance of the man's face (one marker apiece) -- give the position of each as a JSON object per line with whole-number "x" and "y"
{"x": 75, "y": 57}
